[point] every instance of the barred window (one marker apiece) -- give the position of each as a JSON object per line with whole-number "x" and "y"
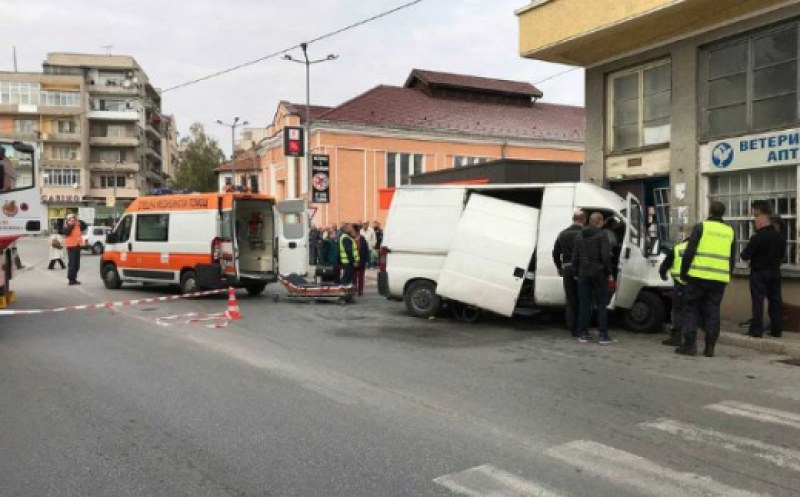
{"x": 737, "y": 190}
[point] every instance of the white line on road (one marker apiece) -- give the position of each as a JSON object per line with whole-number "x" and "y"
{"x": 779, "y": 456}
{"x": 763, "y": 414}
{"x": 488, "y": 481}
{"x": 629, "y": 470}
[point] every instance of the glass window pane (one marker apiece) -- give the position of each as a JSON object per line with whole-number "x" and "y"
{"x": 656, "y": 106}
{"x": 658, "y": 79}
{"x": 776, "y": 47}
{"x": 405, "y": 165}
{"x": 391, "y": 171}
{"x": 626, "y": 87}
{"x": 727, "y": 120}
{"x": 727, "y": 91}
{"x": 626, "y": 112}
{"x": 418, "y": 164}
{"x": 657, "y": 131}
{"x": 626, "y": 136}
{"x": 775, "y": 111}
{"x": 727, "y": 61}
{"x": 775, "y": 80}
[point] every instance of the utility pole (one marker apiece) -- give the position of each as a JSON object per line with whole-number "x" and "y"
{"x": 235, "y": 124}
{"x": 14, "y": 55}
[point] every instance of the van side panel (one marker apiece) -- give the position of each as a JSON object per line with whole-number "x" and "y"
{"x": 558, "y": 205}
{"x": 419, "y": 232}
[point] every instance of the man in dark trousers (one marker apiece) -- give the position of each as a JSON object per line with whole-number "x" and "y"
{"x": 562, "y": 257}
{"x": 672, "y": 265}
{"x": 591, "y": 258}
{"x": 349, "y": 257}
{"x": 707, "y": 265}
{"x": 73, "y": 239}
{"x": 765, "y": 252}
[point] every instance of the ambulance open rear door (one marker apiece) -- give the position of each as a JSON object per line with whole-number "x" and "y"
{"x": 291, "y": 231}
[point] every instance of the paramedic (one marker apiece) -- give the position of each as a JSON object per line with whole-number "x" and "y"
{"x": 591, "y": 258}
{"x": 349, "y": 257}
{"x": 73, "y": 235}
{"x": 672, "y": 266}
{"x": 562, "y": 257}
{"x": 707, "y": 265}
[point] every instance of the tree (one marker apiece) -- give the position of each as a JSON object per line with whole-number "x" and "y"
{"x": 200, "y": 155}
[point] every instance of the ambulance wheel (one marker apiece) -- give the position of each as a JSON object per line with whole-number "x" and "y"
{"x": 255, "y": 289}
{"x": 97, "y": 248}
{"x": 111, "y": 277}
{"x": 646, "y": 314}
{"x": 188, "y": 282}
{"x": 421, "y": 299}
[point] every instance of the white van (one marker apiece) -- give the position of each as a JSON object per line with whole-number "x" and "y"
{"x": 490, "y": 247}
{"x": 207, "y": 241}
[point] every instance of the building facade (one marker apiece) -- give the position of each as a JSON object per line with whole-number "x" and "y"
{"x": 379, "y": 139}
{"x": 97, "y": 120}
{"x": 687, "y": 102}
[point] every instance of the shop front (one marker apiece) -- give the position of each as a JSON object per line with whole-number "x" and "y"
{"x": 59, "y": 207}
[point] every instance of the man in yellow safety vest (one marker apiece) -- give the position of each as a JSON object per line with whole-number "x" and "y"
{"x": 706, "y": 267}
{"x": 349, "y": 257}
{"x": 672, "y": 265}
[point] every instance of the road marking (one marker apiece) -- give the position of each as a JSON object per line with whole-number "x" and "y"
{"x": 779, "y": 456}
{"x": 629, "y": 470}
{"x": 763, "y": 414}
{"x": 692, "y": 380}
{"x": 488, "y": 481}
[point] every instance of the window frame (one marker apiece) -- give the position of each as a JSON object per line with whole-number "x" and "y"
{"x": 468, "y": 160}
{"x": 397, "y": 166}
{"x": 610, "y": 109}
{"x": 141, "y": 217}
{"x": 61, "y": 177}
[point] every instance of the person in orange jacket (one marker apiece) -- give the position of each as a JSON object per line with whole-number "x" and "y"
{"x": 73, "y": 240}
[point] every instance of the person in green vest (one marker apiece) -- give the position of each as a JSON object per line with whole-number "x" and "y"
{"x": 349, "y": 257}
{"x": 671, "y": 265}
{"x": 706, "y": 267}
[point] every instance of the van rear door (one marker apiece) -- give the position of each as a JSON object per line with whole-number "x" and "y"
{"x": 291, "y": 223}
{"x": 633, "y": 263}
{"x": 490, "y": 254}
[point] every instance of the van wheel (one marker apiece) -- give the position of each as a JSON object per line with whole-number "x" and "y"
{"x": 188, "y": 282}
{"x": 255, "y": 289}
{"x": 97, "y": 248}
{"x": 421, "y": 299}
{"x": 111, "y": 277}
{"x": 646, "y": 314}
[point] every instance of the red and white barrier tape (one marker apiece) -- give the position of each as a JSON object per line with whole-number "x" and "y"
{"x": 110, "y": 305}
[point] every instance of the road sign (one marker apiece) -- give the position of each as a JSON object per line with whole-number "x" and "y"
{"x": 320, "y": 179}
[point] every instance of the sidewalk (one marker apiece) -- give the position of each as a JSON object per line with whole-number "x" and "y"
{"x": 788, "y": 344}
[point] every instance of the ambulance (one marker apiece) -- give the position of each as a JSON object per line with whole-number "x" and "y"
{"x": 206, "y": 241}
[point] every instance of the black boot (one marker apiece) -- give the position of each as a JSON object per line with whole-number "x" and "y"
{"x": 711, "y": 341}
{"x": 674, "y": 338}
{"x": 689, "y": 346}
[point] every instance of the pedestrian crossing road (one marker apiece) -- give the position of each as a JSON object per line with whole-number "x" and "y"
{"x": 601, "y": 465}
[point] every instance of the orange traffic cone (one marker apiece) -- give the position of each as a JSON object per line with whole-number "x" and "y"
{"x": 233, "y": 306}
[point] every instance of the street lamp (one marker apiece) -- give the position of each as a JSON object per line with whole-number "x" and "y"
{"x": 235, "y": 124}
{"x": 308, "y": 62}
{"x": 114, "y": 173}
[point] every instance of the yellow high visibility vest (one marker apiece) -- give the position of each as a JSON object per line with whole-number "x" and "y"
{"x": 343, "y": 253}
{"x": 713, "y": 259}
{"x": 675, "y": 270}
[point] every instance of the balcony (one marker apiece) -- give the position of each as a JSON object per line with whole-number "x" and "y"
{"x": 108, "y": 193}
{"x": 12, "y": 135}
{"x": 114, "y": 141}
{"x": 112, "y": 87}
{"x": 121, "y": 167}
{"x": 152, "y": 130}
{"x": 114, "y": 115}
{"x": 585, "y": 33}
{"x": 62, "y": 137}
{"x": 49, "y": 162}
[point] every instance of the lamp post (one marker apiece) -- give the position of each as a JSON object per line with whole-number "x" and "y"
{"x": 114, "y": 173}
{"x": 235, "y": 124}
{"x": 307, "y": 62}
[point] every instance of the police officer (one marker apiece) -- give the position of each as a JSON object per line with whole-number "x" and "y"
{"x": 562, "y": 257}
{"x": 73, "y": 238}
{"x": 349, "y": 257}
{"x": 706, "y": 267}
{"x": 672, "y": 266}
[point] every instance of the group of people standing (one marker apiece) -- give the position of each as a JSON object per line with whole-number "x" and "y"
{"x": 345, "y": 252}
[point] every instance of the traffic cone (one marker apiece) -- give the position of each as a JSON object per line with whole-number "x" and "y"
{"x": 233, "y": 306}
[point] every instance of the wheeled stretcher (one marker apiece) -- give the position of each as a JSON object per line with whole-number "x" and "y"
{"x": 300, "y": 288}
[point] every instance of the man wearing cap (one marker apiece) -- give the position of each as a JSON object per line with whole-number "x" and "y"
{"x": 562, "y": 257}
{"x": 672, "y": 266}
{"x": 73, "y": 239}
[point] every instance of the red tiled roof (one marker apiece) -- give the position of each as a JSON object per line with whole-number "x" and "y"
{"x": 300, "y": 110}
{"x": 435, "y": 78}
{"x": 391, "y": 106}
{"x": 240, "y": 163}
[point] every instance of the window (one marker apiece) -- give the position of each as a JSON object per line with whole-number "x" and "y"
{"x": 67, "y": 127}
{"x": 19, "y": 92}
{"x": 107, "y": 181}
{"x": 116, "y": 131}
{"x": 61, "y": 177}
{"x": 640, "y": 101}
{"x": 112, "y": 105}
{"x": 111, "y": 156}
{"x": 737, "y": 190}
{"x": 61, "y": 98}
{"x": 25, "y": 126}
{"x": 123, "y": 229}
{"x": 64, "y": 152}
{"x": 292, "y": 226}
{"x": 152, "y": 227}
{"x": 751, "y": 83}
{"x": 400, "y": 167}
{"x": 461, "y": 161}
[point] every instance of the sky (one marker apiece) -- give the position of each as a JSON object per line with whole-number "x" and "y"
{"x": 177, "y": 40}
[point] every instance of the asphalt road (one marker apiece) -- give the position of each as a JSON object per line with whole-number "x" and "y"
{"x": 302, "y": 399}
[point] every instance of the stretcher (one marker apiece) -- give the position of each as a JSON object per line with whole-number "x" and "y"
{"x": 300, "y": 288}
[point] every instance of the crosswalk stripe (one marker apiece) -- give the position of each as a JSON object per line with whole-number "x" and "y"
{"x": 763, "y": 414}
{"x": 488, "y": 481}
{"x": 629, "y": 470}
{"x": 779, "y": 456}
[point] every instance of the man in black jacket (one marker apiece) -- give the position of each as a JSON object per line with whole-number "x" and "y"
{"x": 562, "y": 257}
{"x": 592, "y": 259}
{"x": 765, "y": 252}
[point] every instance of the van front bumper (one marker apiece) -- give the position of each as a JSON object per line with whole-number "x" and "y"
{"x": 383, "y": 283}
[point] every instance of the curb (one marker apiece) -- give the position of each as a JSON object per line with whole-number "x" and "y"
{"x": 767, "y": 344}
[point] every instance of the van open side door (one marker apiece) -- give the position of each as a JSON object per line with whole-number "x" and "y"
{"x": 633, "y": 262}
{"x": 488, "y": 260}
{"x": 291, "y": 229}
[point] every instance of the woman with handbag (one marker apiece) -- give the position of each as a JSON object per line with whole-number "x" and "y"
{"x": 56, "y": 251}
